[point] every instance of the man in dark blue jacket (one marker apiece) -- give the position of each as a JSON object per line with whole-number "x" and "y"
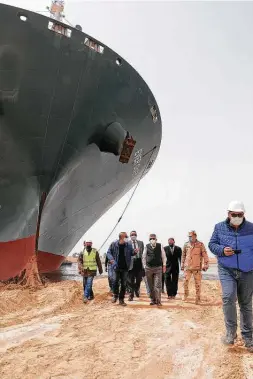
{"x": 232, "y": 243}
{"x": 119, "y": 255}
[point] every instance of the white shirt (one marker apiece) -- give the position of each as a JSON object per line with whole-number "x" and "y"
{"x": 136, "y": 247}
{"x": 136, "y": 244}
{"x": 144, "y": 257}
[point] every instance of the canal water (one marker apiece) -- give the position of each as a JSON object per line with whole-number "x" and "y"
{"x": 70, "y": 272}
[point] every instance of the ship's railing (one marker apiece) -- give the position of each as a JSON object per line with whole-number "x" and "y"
{"x": 59, "y": 28}
{"x": 93, "y": 45}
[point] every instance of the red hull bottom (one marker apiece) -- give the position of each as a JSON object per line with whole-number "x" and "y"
{"x": 15, "y": 254}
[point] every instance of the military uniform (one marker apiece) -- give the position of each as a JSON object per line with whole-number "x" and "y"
{"x": 192, "y": 263}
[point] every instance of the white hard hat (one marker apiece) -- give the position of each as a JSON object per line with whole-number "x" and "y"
{"x": 88, "y": 241}
{"x": 236, "y": 206}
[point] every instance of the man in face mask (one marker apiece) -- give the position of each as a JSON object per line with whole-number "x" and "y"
{"x": 88, "y": 263}
{"x": 232, "y": 243}
{"x": 173, "y": 254}
{"x": 194, "y": 253}
{"x": 119, "y": 255}
{"x": 136, "y": 269}
{"x": 154, "y": 263}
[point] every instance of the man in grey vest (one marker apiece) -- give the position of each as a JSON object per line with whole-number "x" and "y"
{"x": 154, "y": 263}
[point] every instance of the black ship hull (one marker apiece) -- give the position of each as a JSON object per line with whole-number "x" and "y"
{"x": 66, "y": 108}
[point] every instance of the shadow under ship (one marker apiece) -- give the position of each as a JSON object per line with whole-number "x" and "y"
{"x": 79, "y": 126}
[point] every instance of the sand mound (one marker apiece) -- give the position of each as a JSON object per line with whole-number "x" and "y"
{"x": 50, "y": 333}
{"x": 18, "y": 304}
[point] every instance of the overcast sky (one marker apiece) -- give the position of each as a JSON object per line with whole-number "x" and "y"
{"x": 197, "y": 59}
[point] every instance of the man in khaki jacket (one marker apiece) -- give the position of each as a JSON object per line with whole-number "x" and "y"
{"x": 194, "y": 253}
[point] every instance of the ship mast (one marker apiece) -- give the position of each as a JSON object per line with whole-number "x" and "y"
{"x": 57, "y": 13}
{"x": 57, "y": 10}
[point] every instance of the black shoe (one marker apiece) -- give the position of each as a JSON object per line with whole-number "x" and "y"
{"x": 137, "y": 293}
{"x": 130, "y": 298}
{"x": 91, "y": 298}
{"x": 153, "y": 302}
{"x": 249, "y": 345}
{"x": 121, "y": 302}
{"x": 159, "y": 304}
{"x": 114, "y": 300}
{"x": 229, "y": 338}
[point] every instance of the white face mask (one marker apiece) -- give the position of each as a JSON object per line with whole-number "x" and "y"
{"x": 126, "y": 239}
{"x": 236, "y": 221}
{"x": 133, "y": 238}
{"x": 153, "y": 242}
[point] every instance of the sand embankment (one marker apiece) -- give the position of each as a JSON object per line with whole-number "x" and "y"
{"x": 70, "y": 259}
{"x": 50, "y": 333}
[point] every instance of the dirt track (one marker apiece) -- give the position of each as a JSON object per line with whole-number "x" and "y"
{"x": 52, "y": 334}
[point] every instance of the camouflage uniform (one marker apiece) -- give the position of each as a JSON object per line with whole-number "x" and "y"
{"x": 192, "y": 260}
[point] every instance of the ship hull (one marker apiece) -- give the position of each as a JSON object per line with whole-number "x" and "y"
{"x": 65, "y": 111}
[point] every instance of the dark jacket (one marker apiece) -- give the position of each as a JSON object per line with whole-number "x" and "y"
{"x": 140, "y": 245}
{"x": 224, "y": 235}
{"x": 173, "y": 260}
{"x": 84, "y": 272}
{"x": 113, "y": 253}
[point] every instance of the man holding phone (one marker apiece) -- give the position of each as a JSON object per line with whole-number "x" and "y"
{"x": 232, "y": 243}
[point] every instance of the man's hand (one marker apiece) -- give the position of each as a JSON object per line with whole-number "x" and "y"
{"x": 205, "y": 268}
{"x": 182, "y": 268}
{"x": 164, "y": 269}
{"x": 112, "y": 262}
{"x": 228, "y": 251}
{"x": 136, "y": 251}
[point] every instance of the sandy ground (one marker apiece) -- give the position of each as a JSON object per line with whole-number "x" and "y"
{"x": 50, "y": 333}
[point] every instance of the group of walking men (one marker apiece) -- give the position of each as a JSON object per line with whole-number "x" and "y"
{"x": 128, "y": 262}
{"x": 231, "y": 242}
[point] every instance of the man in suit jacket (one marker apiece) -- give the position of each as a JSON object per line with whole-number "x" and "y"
{"x": 135, "y": 272}
{"x": 173, "y": 254}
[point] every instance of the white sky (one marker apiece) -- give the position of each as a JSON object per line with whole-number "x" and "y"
{"x": 197, "y": 59}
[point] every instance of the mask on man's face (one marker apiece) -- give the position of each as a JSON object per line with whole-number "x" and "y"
{"x": 190, "y": 239}
{"x": 126, "y": 239}
{"x": 236, "y": 221}
{"x": 153, "y": 242}
{"x": 133, "y": 238}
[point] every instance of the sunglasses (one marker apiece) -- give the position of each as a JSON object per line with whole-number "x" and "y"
{"x": 151, "y": 239}
{"x": 240, "y": 215}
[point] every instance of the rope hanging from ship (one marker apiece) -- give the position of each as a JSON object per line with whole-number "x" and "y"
{"x": 131, "y": 197}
